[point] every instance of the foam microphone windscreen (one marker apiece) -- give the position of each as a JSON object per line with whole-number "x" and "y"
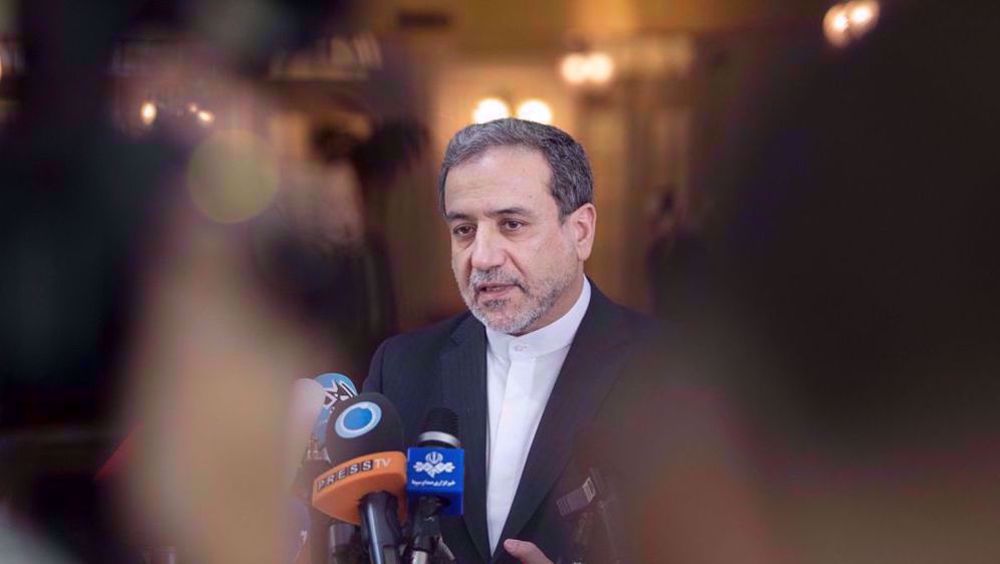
{"x": 441, "y": 428}
{"x": 364, "y": 442}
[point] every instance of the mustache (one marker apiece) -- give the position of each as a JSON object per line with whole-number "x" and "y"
{"x": 493, "y": 276}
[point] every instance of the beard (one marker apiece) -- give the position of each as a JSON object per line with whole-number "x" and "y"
{"x": 497, "y": 315}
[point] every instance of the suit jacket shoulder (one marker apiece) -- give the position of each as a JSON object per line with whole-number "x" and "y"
{"x": 411, "y": 348}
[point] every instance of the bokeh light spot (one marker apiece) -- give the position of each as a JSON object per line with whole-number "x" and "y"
{"x": 535, "y": 110}
{"x": 489, "y": 109}
{"x": 602, "y": 67}
{"x": 849, "y": 21}
{"x": 148, "y": 113}
{"x": 232, "y": 176}
{"x": 575, "y": 68}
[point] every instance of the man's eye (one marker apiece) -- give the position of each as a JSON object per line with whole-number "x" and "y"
{"x": 462, "y": 231}
{"x": 512, "y": 225}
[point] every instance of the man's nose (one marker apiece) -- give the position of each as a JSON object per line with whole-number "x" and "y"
{"x": 487, "y": 250}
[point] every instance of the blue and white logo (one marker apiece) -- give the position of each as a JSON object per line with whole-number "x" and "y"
{"x": 439, "y": 472}
{"x": 358, "y": 419}
{"x": 433, "y": 465}
{"x": 338, "y": 388}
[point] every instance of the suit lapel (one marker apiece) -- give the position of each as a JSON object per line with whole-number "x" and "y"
{"x": 463, "y": 373}
{"x": 584, "y": 381}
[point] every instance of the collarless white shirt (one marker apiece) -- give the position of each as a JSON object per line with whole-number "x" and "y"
{"x": 520, "y": 374}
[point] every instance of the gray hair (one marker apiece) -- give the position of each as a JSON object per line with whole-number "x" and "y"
{"x": 571, "y": 184}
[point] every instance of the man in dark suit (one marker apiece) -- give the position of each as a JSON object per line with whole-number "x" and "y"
{"x": 532, "y": 364}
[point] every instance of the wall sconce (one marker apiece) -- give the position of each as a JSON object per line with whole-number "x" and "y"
{"x": 595, "y": 68}
{"x": 532, "y": 109}
{"x": 147, "y": 112}
{"x": 847, "y": 22}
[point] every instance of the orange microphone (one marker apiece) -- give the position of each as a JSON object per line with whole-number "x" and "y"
{"x": 367, "y": 482}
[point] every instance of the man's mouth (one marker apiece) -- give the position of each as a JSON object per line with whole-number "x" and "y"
{"x": 493, "y": 290}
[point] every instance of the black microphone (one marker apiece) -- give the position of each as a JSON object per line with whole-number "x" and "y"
{"x": 594, "y": 504}
{"x": 313, "y": 402}
{"x": 364, "y": 442}
{"x": 435, "y": 481}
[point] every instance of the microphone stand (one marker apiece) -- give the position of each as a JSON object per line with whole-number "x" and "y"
{"x": 426, "y": 529}
{"x": 380, "y": 527}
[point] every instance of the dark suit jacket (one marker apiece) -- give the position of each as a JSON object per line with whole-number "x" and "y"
{"x": 445, "y": 365}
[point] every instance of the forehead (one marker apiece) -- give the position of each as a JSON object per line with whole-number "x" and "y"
{"x": 498, "y": 178}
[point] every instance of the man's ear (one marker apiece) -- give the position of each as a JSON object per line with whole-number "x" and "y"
{"x": 582, "y": 224}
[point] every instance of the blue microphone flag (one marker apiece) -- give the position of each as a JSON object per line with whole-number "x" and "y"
{"x": 435, "y": 471}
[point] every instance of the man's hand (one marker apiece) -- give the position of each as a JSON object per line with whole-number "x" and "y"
{"x": 526, "y": 552}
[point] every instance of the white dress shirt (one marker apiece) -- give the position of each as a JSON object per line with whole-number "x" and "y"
{"x": 520, "y": 374}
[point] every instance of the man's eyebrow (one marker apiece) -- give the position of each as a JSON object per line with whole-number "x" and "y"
{"x": 510, "y": 211}
{"x": 453, "y": 216}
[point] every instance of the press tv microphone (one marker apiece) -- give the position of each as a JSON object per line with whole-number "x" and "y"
{"x": 365, "y": 442}
{"x": 435, "y": 481}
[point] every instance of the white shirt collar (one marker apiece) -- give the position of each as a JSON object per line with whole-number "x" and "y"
{"x": 554, "y": 336}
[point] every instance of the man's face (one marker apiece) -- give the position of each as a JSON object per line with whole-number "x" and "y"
{"x": 518, "y": 267}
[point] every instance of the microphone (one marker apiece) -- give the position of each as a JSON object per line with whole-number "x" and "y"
{"x": 365, "y": 442}
{"x": 594, "y": 504}
{"x": 312, "y": 401}
{"x": 329, "y": 542}
{"x": 307, "y": 404}
{"x": 435, "y": 481}
{"x": 338, "y": 388}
